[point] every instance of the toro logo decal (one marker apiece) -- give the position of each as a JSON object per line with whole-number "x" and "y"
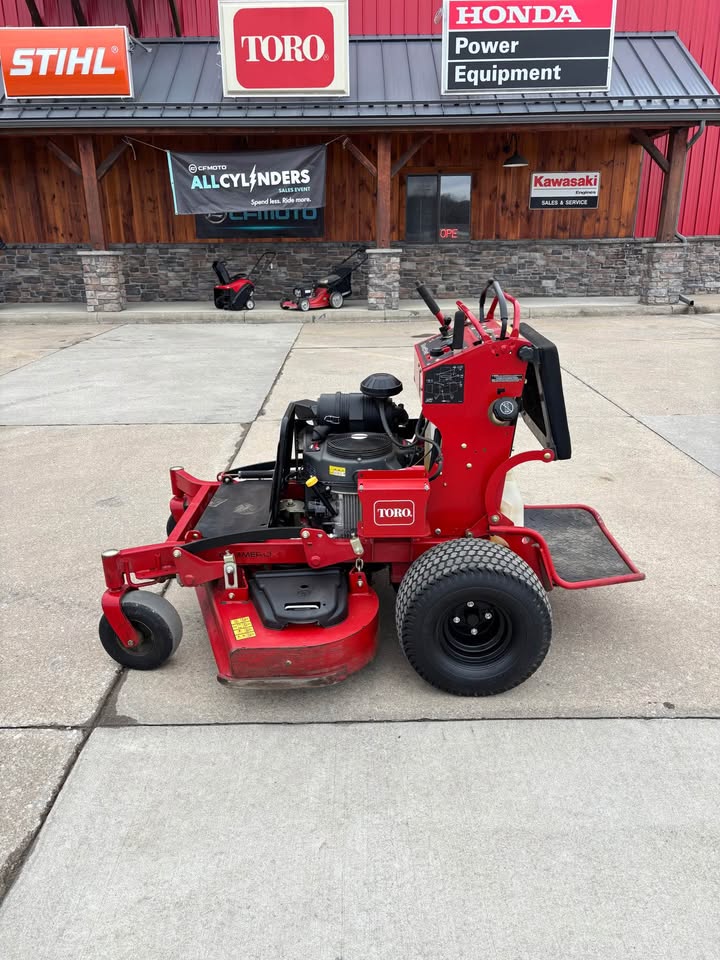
{"x": 271, "y": 47}
{"x": 65, "y": 62}
{"x": 394, "y": 513}
{"x": 302, "y": 58}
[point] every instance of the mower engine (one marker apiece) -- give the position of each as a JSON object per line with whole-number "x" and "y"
{"x": 343, "y": 434}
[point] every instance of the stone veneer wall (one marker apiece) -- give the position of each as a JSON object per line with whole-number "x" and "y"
{"x": 53, "y": 272}
{"x": 170, "y": 272}
{"x": 49, "y": 273}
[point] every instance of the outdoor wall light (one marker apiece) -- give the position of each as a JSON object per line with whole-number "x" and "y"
{"x": 515, "y": 159}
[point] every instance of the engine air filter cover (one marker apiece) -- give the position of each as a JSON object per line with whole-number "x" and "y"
{"x": 382, "y": 386}
{"x": 359, "y": 446}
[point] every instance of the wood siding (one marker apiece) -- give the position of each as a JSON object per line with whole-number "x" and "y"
{"x": 41, "y": 200}
{"x": 697, "y": 22}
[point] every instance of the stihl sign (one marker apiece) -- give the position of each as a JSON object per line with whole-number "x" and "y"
{"x": 506, "y": 46}
{"x": 65, "y": 62}
{"x": 282, "y": 48}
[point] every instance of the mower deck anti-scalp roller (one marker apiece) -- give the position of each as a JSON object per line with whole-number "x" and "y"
{"x": 282, "y": 554}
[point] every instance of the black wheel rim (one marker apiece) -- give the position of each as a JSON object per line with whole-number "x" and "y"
{"x": 145, "y": 641}
{"x": 475, "y": 632}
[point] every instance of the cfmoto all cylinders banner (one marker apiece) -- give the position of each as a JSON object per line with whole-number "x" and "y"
{"x": 288, "y": 48}
{"x": 527, "y": 46}
{"x": 234, "y": 182}
{"x": 65, "y": 62}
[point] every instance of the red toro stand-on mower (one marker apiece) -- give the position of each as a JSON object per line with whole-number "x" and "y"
{"x": 238, "y": 292}
{"x": 282, "y": 553}
{"x": 332, "y": 291}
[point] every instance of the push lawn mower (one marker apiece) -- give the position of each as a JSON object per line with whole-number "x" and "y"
{"x": 281, "y": 553}
{"x": 238, "y": 292}
{"x": 331, "y": 291}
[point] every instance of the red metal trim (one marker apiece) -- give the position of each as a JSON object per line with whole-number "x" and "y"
{"x": 322, "y": 550}
{"x": 600, "y": 522}
{"x": 496, "y": 481}
{"x": 474, "y": 321}
{"x": 511, "y": 532}
{"x": 112, "y": 608}
{"x": 514, "y": 332}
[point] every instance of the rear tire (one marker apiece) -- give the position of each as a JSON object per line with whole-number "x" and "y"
{"x": 473, "y": 619}
{"x": 336, "y": 300}
{"x": 158, "y": 624}
{"x": 250, "y": 305}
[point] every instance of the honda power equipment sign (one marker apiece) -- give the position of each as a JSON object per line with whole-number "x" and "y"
{"x": 548, "y": 191}
{"x": 257, "y": 180}
{"x": 511, "y": 46}
{"x": 287, "y": 48}
{"x": 65, "y": 62}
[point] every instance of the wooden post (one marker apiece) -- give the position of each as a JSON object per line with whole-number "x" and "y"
{"x": 673, "y": 185}
{"x": 92, "y": 194}
{"x": 384, "y": 181}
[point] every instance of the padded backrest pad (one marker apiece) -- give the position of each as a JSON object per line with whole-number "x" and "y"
{"x": 543, "y": 399}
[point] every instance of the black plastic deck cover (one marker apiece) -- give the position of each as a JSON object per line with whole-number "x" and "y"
{"x": 579, "y": 548}
{"x": 236, "y": 508}
{"x": 284, "y": 597}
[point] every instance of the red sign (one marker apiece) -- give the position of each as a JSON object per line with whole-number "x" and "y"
{"x": 513, "y": 15}
{"x": 300, "y": 60}
{"x": 272, "y": 47}
{"x": 65, "y": 62}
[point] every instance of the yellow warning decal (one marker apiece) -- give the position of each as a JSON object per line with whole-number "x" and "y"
{"x": 337, "y": 471}
{"x": 242, "y": 628}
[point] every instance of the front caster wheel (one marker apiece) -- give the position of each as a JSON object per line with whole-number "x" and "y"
{"x": 158, "y": 626}
{"x": 250, "y": 305}
{"x": 473, "y": 619}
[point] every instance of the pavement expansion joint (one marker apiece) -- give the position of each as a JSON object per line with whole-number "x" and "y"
{"x": 115, "y": 722}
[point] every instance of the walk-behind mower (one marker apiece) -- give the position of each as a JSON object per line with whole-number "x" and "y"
{"x": 238, "y": 292}
{"x": 282, "y": 553}
{"x": 331, "y": 291}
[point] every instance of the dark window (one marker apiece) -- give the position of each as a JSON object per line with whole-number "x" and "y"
{"x": 438, "y": 208}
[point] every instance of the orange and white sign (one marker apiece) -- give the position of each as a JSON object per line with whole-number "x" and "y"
{"x": 65, "y": 62}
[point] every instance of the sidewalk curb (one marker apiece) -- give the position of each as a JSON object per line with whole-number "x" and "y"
{"x": 137, "y": 313}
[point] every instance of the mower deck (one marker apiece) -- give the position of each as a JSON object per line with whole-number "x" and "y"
{"x": 247, "y": 652}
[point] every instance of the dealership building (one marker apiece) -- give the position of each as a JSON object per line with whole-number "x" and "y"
{"x": 452, "y": 150}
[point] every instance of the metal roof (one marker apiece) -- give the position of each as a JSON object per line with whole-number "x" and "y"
{"x": 395, "y": 81}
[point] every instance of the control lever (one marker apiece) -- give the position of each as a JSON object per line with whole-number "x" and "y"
{"x": 434, "y": 309}
{"x": 459, "y": 330}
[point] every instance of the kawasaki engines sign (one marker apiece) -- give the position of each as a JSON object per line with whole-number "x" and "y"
{"x": 511, "y": 46}
{"x": 235, "y": 182}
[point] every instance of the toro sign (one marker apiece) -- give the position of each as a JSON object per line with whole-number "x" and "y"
{"x": 521, "y": 46}
{"x": 284, "y": 48}
{"x": 65, "y": 62}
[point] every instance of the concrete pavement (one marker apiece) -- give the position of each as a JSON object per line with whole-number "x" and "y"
{"x": 86, "y": 469}
{"x": 404, "y": 841}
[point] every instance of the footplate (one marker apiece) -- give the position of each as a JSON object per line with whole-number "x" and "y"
{"x": 578, "y": 549}
{"x": 250, "y": 653}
